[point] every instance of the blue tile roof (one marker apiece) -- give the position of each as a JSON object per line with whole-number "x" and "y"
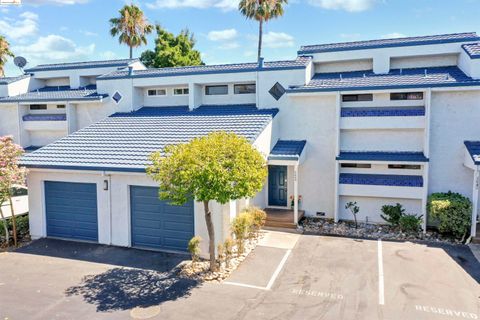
{"x": 389, "y": 43}
{"x": 382, "y": 112}
{"x": 472, "y": 49}
{"x": 60, "y": 93}
{"x": 287, "y": 150}
{"x": 82, "y": 65}
{"x": 299, "y": 63}
{"x": 407, "y": 156}
{"x": 124, "y": 141}
{"x": 381, "y": 179}
{"x": 395, "y": 79}
{"x": 8, "y": 80}
{"x": 45, "y": 117}
{"x": 473, "y": 148}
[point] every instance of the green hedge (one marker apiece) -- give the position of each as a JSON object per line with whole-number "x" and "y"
{"x": 22, "y": 226}
{"x": 453, "y": 212}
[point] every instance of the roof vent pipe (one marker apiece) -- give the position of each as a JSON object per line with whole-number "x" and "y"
{"x": 130, "y": 70}
{"x": 426, "y": 74}
{"x": 260, "y": 62}
{"x": 401, "y": 71}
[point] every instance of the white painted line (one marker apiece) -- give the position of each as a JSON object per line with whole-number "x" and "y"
{"x": 381, "y": 289}
{"x": 244, "y": 285}
{"x": 277, "y": 271}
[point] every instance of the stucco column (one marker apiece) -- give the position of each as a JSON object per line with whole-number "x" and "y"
{"x": 295, "y": 194}
{"x": 476, "y": 178}
{"x": 425, "y": 196}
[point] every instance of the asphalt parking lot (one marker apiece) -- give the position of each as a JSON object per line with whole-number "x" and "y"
{"x": 306, "y": 277}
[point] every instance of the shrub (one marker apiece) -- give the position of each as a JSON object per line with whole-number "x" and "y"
{"x": 22, "y": 225}
{"x": 453, "y": 212}
{"x": 241, "y": 226}
{"x": 410, "y": 222}
{"x": 220, "y": 253}
{"x": 354, "y": 209}
{"x": 194, "y": 249}
{"x": 228, "y": 251}
{"x": 258, "y": 217}
{"x": 392, "y": 214}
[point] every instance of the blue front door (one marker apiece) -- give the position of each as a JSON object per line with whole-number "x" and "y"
{"x": 277, "y": 186}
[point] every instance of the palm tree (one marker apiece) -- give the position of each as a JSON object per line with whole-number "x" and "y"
{"x": 262, "y": 11}
{"x": 4, "y": 53}
{"x": 132, "y": 26}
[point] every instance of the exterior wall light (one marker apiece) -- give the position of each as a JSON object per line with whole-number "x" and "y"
{"x": 105, "y": 184}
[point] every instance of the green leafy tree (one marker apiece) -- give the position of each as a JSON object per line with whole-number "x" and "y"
{"x": 172, "y": 51}
{"x": 354, "y": 209}
{"x": 218, "y": 167}
{"x": 132, "y": 27}
{"x": 10, "y": 174}
{"x": 4, "y": 54}
{"x": 261, "y": 11}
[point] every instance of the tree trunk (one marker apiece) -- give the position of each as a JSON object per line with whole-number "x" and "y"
{"x": 5, "y": 224}
{"x": 211, "y": 236}
{"x": 14, "y": 222}
{"x": 131, "y": 52}
{"x": 260, "y": 36}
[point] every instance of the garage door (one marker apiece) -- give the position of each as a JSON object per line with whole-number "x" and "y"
{"x": 158, "y": 225}
{"x": 71, "y": 210}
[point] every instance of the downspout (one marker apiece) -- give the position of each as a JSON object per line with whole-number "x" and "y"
{"x": 257, "y": 83}
{"x": 476, "y": 182}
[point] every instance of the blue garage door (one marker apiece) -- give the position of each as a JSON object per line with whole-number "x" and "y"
{"x": 71, "y": 210}
{"x": 158, "y": 225}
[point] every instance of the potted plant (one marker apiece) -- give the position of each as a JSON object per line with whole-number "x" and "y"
{"x": 292, "y": 202}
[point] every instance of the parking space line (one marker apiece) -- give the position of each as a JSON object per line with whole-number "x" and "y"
{"x": 381, "y": 286}
{"x": 244, "y": 285}
{"x": 277, "y": 271}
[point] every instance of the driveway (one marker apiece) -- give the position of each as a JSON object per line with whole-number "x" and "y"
{"x": 287, "y": 277}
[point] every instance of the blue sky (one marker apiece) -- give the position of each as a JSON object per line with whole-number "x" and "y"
{"x": 71, "y": 30}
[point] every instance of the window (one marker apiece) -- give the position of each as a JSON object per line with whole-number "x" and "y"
{"x": 277, "y": 91}
{"x": 180, "y": 91}
{"x": 404, "y": 166}
{"x": 245, "y": 88}
{"x": 216, "y": 90}
{"x": 356, "y": 165}
{"x": 406, "y": 96}
{"x": 157, "y": 92}
{"x": 60, "y": 106}
{"x": 357, "y": 97}
{"x": 38, "y": 107}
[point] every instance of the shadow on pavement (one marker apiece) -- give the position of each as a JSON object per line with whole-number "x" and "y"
{"x": 123, "y": 289}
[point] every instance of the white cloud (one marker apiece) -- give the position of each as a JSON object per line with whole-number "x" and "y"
{"x": 347, "y": 5}
{"x": 25, "y": 26}
{"x": 277, "y": 40}
{"x": 393, "y": 35}
{"x": 229, "y": 46}
{"x": 88, "y": 33}
{"x": 53, "y": 48}
{"x": 57, "y": 2}
{"x": 197, "y": 4}
{"x": 222, "y": 35}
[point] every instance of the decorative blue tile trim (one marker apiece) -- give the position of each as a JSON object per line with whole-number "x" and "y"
{"x": 390, "y": 43}
{"x": 407, "y": 156}
{"x": 382, "y": 112}
{"x": 45, "y": 117}
{"x": 381, "y": 180}
{"x": 473, "y": 148}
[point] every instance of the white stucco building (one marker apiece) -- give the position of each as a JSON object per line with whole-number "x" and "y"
{"x": 376, "y": 122}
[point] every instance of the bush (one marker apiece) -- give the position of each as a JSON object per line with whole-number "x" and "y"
{"x": 23, "y": 228}
{"x": 228, "y": 251}
{"x": 258, "y": 218}
{"x": 392, "y": 214}
{"x": 194, "y": 249}
{"x": 453, "y": 212}
{"x": 410, "y": 222}
{"x": 241, "y": 226}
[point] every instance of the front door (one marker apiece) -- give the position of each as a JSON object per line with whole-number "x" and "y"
{"x": 277, "y": 186}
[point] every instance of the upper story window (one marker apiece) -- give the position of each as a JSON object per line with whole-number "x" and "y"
{"x": 404, "y": 166}
{"x": 60, "y": 106}
{"x": 157, "y": 92}
{"x": 180, "y": 91}
{"x": 38, "y": 107}
{"x": 357, "y": 97}
{"x": 247, "y": 88}
{"x": 406, "y": 96}
{"x": 216, "y": 90}
{"x": 356, "y": 165}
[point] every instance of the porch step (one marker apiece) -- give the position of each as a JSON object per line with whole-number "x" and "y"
{"x": 282, "y": 218}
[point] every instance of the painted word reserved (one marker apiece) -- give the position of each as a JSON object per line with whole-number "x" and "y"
{"x": 447, "y": 312}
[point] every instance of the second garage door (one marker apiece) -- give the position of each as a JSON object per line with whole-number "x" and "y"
{"x": 158, "y": 225}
